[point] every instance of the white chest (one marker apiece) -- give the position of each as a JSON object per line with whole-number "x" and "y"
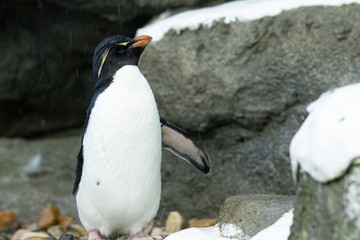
{"x": 122, "y": 156}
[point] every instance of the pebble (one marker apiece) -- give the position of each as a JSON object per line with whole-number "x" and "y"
{"x": 156, "y": 231}
{"x": 8, "y": 220}
{"x": 49, "y": 216}
{"x": 77, "y": 230}
{"x": 3, "y": 237}
{"x": 206, "y": 222}
{"x": 17, "y": 235}
{"x": 68, "y": 236}
{"x": 65, "y": 221}
{"x": 33, "y": 227}
{"x": 35, "y": 236}
{"x": 55, "y": 231}
{"x": 174, "y": 222}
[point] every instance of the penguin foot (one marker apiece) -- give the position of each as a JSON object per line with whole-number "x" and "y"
{"x": 94, "y": 235}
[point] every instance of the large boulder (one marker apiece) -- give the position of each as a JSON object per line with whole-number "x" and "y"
{"x": 249, "y": 214}
{"x": 46, "y": 52}
{"x": 328, "y": 210}
{"x": 245, "y": 87}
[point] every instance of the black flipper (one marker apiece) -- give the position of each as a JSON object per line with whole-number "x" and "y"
{"x": 184, "y": 146}
{"x": 78, "y": 170}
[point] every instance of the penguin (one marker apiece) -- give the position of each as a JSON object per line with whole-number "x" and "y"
{"x": 118, "y": 179}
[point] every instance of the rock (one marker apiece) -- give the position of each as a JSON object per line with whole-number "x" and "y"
{"x": 18, "y": 234}
{"x": 156, "y": 231}
{"x": 8, "y": 221}
{"x": 33, "y": 227}
{"x": 35, "y": 236}
{"x": 54, "y": 186}
{"x": 244, "y": 86}
{"x": 245, "y": 215}
{"x": 47, "y": 84}
{"x": 55, "y": 231}
{"x": 49, "y": 216}
{"x": 328, "y": 210}
{"x": 77, "y": 230}
{"x": 68, "y": 236}
{"x": 3, "y": 237}
{"x": 206, "y": 222}
{"x": 174, "y": 222}
{"x": 280, "y": 230}
{"x": 65, "y": 221}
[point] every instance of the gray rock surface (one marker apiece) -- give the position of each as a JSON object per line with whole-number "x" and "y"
{"x": 46, "y": 53}
{"x": 253, "y": 213}
{"x": 36, "y": 172}
{"x": 328, "y": 211}
{"x": 245, "y": 87}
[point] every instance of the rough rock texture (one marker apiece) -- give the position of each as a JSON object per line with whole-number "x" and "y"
{"x": 245, "y": 86}
{"x": 253, "y": 213}
{"x": 34, "y": 173}
{"x": 46, "y": 52}
{"x": 328, "y": 211}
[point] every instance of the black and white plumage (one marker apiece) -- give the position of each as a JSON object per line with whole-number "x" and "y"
{"x": 118, "y": 180}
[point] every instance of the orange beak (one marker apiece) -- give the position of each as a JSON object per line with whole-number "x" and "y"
{"x": 142, "y": 41}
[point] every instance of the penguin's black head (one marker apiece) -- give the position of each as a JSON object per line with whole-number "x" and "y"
{"x": 115, "y": 52}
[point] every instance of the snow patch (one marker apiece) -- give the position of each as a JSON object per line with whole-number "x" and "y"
{"x": 231, "y": 231}
{"x": 328, "y": 141}
{"x": 208, "y": 233}
{"x": 228, "y": 12}
{"x": 280, "y": 230}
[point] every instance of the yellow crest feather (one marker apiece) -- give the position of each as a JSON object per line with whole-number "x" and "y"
{"x": 103, "y": 60}
{"x": 123, "y": 43}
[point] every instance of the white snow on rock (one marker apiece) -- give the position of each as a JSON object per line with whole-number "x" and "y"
{"x": 231, "y": 231}
{"x": 208, "y": 233}
{"x": 329, "y": 139}
{"x": 280, "y": 230}
{"x": 229, "y": 12}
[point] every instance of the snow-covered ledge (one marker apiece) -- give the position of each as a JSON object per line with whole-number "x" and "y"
{"x": 228, "y": 12}
{"x": 327, "y": 143}
{"x": 280, "y": 230}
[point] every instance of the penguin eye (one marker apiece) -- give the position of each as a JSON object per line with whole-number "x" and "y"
{"x": 121, "y": 47}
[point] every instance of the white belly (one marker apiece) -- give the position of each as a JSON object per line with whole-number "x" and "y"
{"x": 119, "y": 191}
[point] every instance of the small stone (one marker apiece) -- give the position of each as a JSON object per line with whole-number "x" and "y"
{"x": 156, "y": 231}
{"x": 3, "y": 237}
{"x": 65, "y": 221}
{"x": 174, "y": 222}
{"x": 17, "y": 235}
{"x": 206, "y": 222}
{"x": 35, "y": 236}
{"x": 77, "y": 230}
{"x": 68, "y": 236}
{"x": 8, "y": 219}
{"x": 55, "y": 231}
{"x": 33, "y": 227}
{"x": 49, "y": 216}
